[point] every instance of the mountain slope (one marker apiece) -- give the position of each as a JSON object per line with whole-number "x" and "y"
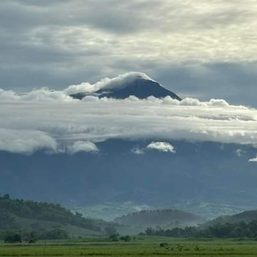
{"x": 187, "y": 179}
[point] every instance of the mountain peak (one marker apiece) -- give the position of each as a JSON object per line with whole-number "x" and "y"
{"x": 132, "y": 83}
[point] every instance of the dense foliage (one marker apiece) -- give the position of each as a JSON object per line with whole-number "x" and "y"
{"x": 38, "y": 220}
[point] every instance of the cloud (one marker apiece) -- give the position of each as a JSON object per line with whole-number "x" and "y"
{"x": 82, "y": 146}
{"x": 138, "y": 151}
{"x": 26, "y": 141}
{"x": 253, "y": 159}
{"x": 164, "y": 147}
{"x": 161, "y": 146}
{"x": 51, "y": 120}
{"x": 239, "y": 152}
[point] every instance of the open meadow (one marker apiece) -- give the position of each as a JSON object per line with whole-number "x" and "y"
{"x": 141, "y": 246}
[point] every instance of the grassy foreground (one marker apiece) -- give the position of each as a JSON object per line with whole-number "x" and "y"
{"x": 139, "y": 247}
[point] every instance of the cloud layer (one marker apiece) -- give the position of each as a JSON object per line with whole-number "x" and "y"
{"x": 53, "y": 121}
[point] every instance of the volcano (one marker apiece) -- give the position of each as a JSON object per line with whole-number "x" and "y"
{"x": 126, "y": 85}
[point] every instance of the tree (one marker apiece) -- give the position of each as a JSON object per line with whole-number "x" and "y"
{"x": 12, "y": 238}
{"x": 125, "y": 238}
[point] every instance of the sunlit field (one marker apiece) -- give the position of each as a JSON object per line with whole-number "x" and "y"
{"x": 141, "y": 246}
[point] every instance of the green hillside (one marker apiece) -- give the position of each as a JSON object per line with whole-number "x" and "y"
{"x": 44, "y": 218}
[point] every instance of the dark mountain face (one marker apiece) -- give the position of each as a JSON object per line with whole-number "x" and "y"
{"x": 198, "y": 173}
{"x": 139, "y": 87}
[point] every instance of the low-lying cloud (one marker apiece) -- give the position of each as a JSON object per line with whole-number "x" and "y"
{"x": 82, "y": 146}
{"x": 161, "y": 146}
{"x": 253, "y": 159}
{"x": 55, "y": 122}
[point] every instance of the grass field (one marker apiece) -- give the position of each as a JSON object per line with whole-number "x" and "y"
{"x": 138, "y": 247}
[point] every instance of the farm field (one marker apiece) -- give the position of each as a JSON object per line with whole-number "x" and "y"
{"x": 142, "y": 246}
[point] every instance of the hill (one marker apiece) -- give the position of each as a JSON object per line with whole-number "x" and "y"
{"x": 44, "y": 218}
{"x": 168, "y": 218}
{"x": 242, "y": 225}
{"x": 246, "y": 217}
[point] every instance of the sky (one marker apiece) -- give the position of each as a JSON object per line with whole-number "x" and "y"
{"x": 204, "y": 51}
{"x": 200, "y": 49}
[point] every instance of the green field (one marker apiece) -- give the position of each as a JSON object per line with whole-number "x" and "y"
{"x": 138, "y": 247}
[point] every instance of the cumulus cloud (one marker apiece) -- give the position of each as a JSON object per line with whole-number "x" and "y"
{"x": 164, "y": 147}
{"x": 51, "y": 120}
{"x": 253, "y": 159}
{"x": 161, "y": 146}
{"x": 26, "y": 141}
{"x": 82, "y": 146}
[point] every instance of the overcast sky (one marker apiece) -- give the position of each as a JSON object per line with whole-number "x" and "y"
{"x": 203, "y": 49}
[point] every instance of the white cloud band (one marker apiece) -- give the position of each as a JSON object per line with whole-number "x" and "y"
{"x": 44, "y": 119}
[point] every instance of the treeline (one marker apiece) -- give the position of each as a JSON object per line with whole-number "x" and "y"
{"x": 227, "y": 230}
{"x": 10, "y": 209}
{"x": 10, "y": 236}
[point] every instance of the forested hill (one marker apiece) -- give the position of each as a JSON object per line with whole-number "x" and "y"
{"x": 168, "y": 217}
{"x": 16, "y": 214}
{"x": 246, "y": 216}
